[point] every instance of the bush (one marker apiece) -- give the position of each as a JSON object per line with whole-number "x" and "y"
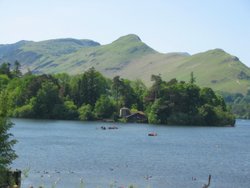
{"x": 209, "y": 115}
{"x": 153, "y": 113}
{"x": 86, "y": 113}
{"x": 67, "y": 110}
{"x": 3, "y": 81}
{"x": 25, "y": 111}
{"x": 71, "y": 110}
{"x": 224, "y": 118}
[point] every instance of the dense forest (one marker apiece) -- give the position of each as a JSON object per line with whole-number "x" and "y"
{"x": 91, "y": 96}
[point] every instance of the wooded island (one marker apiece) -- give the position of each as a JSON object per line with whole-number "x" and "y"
{"x": 91, "y": 96}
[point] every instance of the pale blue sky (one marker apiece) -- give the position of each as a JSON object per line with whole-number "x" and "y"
{"x": 166, "y": 25}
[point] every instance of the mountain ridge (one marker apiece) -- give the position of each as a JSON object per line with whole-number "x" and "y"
{"x": 129, "y": 57}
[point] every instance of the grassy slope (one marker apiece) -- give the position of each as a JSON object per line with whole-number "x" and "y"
{"x": 130, "y": 58}
{"x": 40, "y": 56}
{"x": 110, "y": 59}
{"x": 214, "y": 68}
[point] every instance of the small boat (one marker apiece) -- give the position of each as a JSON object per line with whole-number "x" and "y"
{"x": 152, "y": 134}
{"x": 113, "y": 127}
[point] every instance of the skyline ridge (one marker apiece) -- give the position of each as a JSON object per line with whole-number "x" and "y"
{"x": 135, "y": 36}
{"x": 129, "y": 57}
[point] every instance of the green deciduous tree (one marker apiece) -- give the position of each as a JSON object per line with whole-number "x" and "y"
{"x": 86, "y": 113}
{"x": 88, "y": 88}
{"x": 192, "y": 78}
{"x": 153, "y": 115}
{"x": 156, "y": 87}
{"x": 16, "y": 70}
{"x": 104, "y": 107}
{"x": 5, "y": 69}
{"x": 4, "y": 80}
{"x": 140, "y": 91}
{"x": 123, "y": 92}
{"x": 45, "y": 101}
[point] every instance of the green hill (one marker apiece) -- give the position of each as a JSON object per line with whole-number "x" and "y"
{"x": 130, "y": 58}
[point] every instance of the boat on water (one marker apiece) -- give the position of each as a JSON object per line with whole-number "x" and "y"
{"x": 111, "y": 127}
{"x": 152, "y": 134}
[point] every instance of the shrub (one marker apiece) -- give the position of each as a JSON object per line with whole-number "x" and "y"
{"x": 25, "y": 111}
{"x": 86, "y": 113}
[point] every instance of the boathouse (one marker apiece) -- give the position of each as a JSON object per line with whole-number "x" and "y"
{"x": 138, "y": 117}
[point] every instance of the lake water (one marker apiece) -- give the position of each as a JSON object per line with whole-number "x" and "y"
{"x": 67, "y": 152}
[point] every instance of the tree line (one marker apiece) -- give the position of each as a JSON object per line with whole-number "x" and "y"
{"x": 91, "y": 96}
{"x": 238, "y": 103}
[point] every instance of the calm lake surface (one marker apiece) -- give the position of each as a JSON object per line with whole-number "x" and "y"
{"x": 68, "y": 151}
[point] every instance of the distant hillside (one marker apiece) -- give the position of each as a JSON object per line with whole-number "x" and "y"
{"x": 130, "y": 58}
